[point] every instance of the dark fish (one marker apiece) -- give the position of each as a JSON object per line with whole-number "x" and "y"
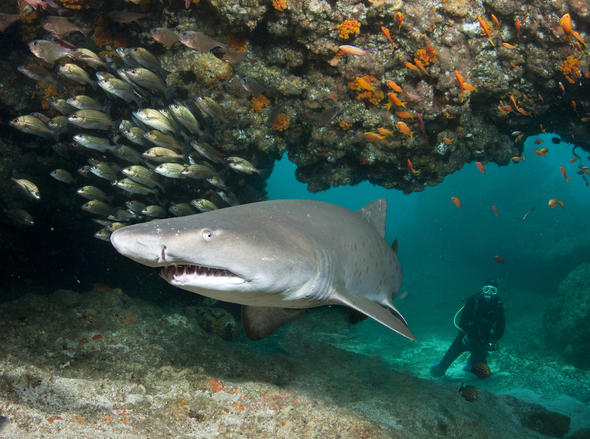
{"x": 469, "y": 393}
{"x": 166, "y": 37}
{"x": 326, "y": 116}
{"x": 253, "y": 86}
{"x": 6, "y": 20}
{"x": 199, "y": 41}
{"x": 61, "y": 26}
{"x": 499, "y": 259}
{"x": 528, "y": 212}
{"x": 125, "y": 17}
{"x": 37, "y": 73}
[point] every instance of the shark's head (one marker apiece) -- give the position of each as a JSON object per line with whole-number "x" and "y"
{"x": 209, "y": 253}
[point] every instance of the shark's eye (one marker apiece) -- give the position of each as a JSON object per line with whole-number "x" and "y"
{"x": 207, "y": 235}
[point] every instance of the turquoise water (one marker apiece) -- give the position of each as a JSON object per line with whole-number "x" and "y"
{"x": 447, "y": 252}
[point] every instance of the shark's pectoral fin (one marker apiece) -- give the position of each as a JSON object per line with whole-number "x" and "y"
{"x": 259, "y": 321}
{"x": 375, "y": 311}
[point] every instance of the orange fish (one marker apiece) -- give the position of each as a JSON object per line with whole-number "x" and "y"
{"x": 494, "y": 209}
{"x": 554, "y": 202}
{"x": 411, "y": 66}
{"x": 574, "y": 106}
{"x": 392, "y": 85}
{"x": 404, "y": 115}
{"x": 480, "y": 167}
{"x": 364, "y": 84}
{"x": 561, "y": 87}
{"x": 372, "y": 137}
{"x": 562, "y": 169}
{"x": 404, "y": 129}
{"x": 393, "y": 99}
{"x": 514, "y": 102}
{"x": 388, "y": 36}
{"x": 462, "y": 84}
{"x": 447, "y": 140}
{"x": 385, "y": 132}
{"x": 508, "y": 46}
{"x": 496, "y": 22}
{"x": 566, "y": 24}
{"x": 541, "y": 151}
{"x": 456, "y": 201}
{"x": 484, "y": 27}
{"x": 517, "y": 159}
{"x": 499, "y": 259}
{"x": 573, "y": 159}
{"x": 352, "y": 50}
{"x": 420, "y": 65}
{"x": 414, "y": 171}
{"x": 399, "y": 17}
{"x": 517, "y": 26}
{"x": 539, "y": 141}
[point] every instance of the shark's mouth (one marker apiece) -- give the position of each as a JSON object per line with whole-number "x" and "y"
{"x": 185, "y": 273}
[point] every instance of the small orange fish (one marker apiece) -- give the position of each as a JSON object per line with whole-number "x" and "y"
{"x": 562, "y": 169}
{"x": 509, "y": 46}
{"x": 420, "y": 65}
{"x": 561, "y": 87}
{"x": 566, "y": 24}
{"x": 456, "y": 201}
{"x": 385, "y": 132}
{"x": 352, "y": 50}
{"x": 388, "y": 36}
{"x": 517, "y": 26}
{"x": 411, "y": 66}
{"x": 574, "y": 106}
{"x": 392, "y": 85}
{"x": 539, "y": 141}
{"x": 486, "y": 30}
{"x": 554, "y": 202}
{"x": 496, "y": 22}
{"x": 494, "y": 209}
{"x": 364, "y": 84}
{"x": 514, "y": 102}
{"x": 404, "y": 115}
{"x": 541, "y": 151}
{"x": 414, "y": 171}
{"x": 480, "y": 167}
{"x": 403, "y": 127}
{"x": 517, "y": 159}
{"x": 447, "y": 140}
{"x": 524, "y": 112}
{"x": 573, "y": 159}
{"x": 399, "y": 17}
{"x": 372, "y": 137}
{"x": 393, "y": 99}
{"x": 462, "y": 84}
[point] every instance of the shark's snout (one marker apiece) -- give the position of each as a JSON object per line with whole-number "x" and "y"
{"x": 143, "y": 248}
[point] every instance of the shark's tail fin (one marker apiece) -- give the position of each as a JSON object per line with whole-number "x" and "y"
{"x": 393, "y": 320}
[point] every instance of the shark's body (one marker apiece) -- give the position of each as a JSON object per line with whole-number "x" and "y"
{"x": 275, "y": 255}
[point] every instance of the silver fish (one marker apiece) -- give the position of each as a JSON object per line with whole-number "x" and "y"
{"x": 181, "y": 209}
{"x": 135, "y": 206}
{"x": 125, "y": 55}
{"x": 75, "y": 73}
{"x": 20, "y": 217}
{"x": 58, "y": 124}
{"x": 145, "y": 78}
{"x": 63, "y": 176}
{"x": 228, "y": 197}
{"x": 171, "y": 170}
{"x": 61, "y": 105}
{"x": 92, "y": 193}
{"x": 154, "y": 119}
{"x": 114, "y": 226}
{"x": 134, "y": 187}
{"x": 242, "y": 165}
{"x": 107, "y": 171}
{"x": 211, "y": 108}
{"x": 141, "y": 175}
{"x": 162, "y": 155}
{"x": 198, "y": 171}
{"x": 127, "y": 154}
{"x": 32, "y": 125}
{"x": 184, "y": 116}
{"x": 207, "y": 151}
{"x": 83, "y": 102}
{"x": 28, "y": 187}
{"x": 117, "y": 87}
{"x": 37, "y": 73}
{"x": 146, "y": 59}
{"x": 97, "y": 207}
{"x": 84, "y": 170}
{"x": 217, "y": 182}
{"x": 47, "y": 50}
{"x": 163, "y": 140}
{"x": 204, "y": 205}
{"x": 101, "y": 144}
{"x": 154, "y": 211}
{"x": 103, "y": 234}
{"x": 91, "y": 119}
{"x": 88, "y": 57}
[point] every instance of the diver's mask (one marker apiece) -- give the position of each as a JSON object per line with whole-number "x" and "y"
{"x": 489, "y": 291}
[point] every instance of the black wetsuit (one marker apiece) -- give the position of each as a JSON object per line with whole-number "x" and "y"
{"x": 482, "y": 322}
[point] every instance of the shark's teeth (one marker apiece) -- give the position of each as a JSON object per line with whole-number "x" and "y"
{"x": 181, "y": 272}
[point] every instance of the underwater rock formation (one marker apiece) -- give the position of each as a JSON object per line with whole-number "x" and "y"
{"x": 566, "y": 320}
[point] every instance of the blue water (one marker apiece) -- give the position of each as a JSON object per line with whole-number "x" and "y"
{"x": 447, "y": 252}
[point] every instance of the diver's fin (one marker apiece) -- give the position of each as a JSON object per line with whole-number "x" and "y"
{"x": 393, "y": 320}
{"x": 260, "y": 321}
{"x": 375, "y": 213}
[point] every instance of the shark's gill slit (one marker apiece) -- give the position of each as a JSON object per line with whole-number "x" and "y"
{"x": 163, "y": 253}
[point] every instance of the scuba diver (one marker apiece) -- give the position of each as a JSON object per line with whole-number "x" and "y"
{"x": 481, "y": 326}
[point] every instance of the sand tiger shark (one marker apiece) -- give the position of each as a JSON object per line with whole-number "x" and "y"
{"x": 276, "y": 257}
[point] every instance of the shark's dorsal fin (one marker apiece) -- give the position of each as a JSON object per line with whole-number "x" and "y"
{"x": 393, "y": 320}
{"x": 375, "y": 213}
{"x": 259, "y": 321}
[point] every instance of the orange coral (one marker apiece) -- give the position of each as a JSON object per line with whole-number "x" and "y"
{"x": 348, "y": 27}
{"x": 345, "y": 125}
{"x": 571, "y": 69}
{"x": 75, "y": 4}
{"x": 104, "y": 37}
{"x": 281, "y": 123}
{"x": 238, "y": 42}
{"x": 279, "y": 5}
{"x": 258, "y": 103}
{"x": 366, "y": 90}
{"x": 426, "y": 55}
